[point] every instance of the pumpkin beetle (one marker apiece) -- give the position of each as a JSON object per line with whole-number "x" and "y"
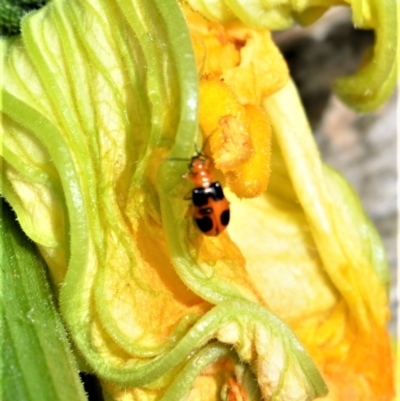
{"x": 210, "y": 207}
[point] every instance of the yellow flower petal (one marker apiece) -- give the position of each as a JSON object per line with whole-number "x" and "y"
{"x": 326, "y": 260}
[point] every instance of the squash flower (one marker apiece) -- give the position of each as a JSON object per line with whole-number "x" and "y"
{"x": 101, "y": 102}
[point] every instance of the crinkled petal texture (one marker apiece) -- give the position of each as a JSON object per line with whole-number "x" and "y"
{"x": 97, "y": 95}
{"x": 368, "y": 88}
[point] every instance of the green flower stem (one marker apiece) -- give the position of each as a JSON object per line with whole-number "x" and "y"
{"x": 36, "y": 356}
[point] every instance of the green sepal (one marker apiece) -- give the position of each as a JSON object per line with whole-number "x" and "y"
{"x": 12, "y": 12}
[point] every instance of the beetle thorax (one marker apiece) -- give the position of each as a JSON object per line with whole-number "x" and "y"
{"x": 200, "y": 173}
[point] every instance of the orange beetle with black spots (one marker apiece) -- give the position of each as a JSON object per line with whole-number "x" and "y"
{"x": 211, "y": 208}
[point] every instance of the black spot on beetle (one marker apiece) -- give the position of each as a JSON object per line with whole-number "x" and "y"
{"x": 205, "y": 224}
{"x": 225, "y": 217}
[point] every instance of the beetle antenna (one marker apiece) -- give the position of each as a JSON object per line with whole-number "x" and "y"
{"x": 197, "y": 150}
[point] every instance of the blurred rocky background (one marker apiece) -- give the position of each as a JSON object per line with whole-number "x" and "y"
{"x": 363, "y": 147}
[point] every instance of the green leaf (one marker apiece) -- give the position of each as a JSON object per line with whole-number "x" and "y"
{"x": 36, "y": 356}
